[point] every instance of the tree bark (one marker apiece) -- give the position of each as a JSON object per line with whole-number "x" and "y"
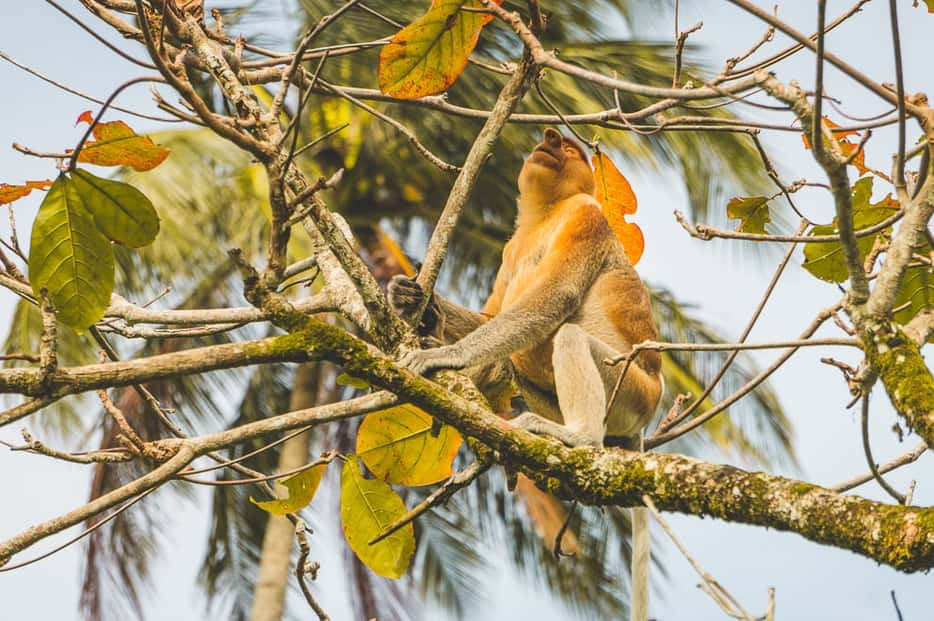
{"x": 274, "y": 573}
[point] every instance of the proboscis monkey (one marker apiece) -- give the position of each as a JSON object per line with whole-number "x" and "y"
{"x": 565, "y": 299}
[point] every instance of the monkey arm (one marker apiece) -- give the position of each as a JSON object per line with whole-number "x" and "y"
{"x": 564, "y": 276}
{"x": 452, "y": 322}
{"x": 443, "y": 319}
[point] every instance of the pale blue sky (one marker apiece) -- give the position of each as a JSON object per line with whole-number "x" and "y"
{"x": 812, "y": 582}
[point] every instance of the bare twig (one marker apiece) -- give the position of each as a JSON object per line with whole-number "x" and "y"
{"x": 304, "y": 568}
{"x": 867, "y": 451}
{"x": 720, "y": 595}
{"x": 904, "y": 459}
{"x": 458, "y": 481}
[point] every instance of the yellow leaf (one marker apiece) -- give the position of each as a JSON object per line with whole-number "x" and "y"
{"x": 397, "y": 446}
{"x": 368, "y": 507}
{"x": 429, "y": 54}
{"x": 302, "y": 488}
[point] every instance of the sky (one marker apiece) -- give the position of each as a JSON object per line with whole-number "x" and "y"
{"x": 724, "y": 282}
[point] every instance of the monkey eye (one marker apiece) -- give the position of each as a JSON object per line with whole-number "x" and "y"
{"x": 570, "y": 150}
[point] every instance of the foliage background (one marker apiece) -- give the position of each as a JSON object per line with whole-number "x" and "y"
{"x": 725, "y": 283}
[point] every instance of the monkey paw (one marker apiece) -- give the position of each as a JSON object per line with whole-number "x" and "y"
{"x": 405, "y": 295}
{"x": 422, "y": 361}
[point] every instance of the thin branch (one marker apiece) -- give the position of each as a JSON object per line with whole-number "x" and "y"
{"x": 113, "y": 48}
{"x": 506, "y": 103}
{"x": 657, "y": 439}
{"x": 548, "y": 59}
{"x": 303, "y": 568}
{"x": 402, "y": 129}
{"x": 680, "y": 39}
{"x": 816, "y": 136}
{"x": 720, "y": 595}
{"x": 857, "y": 75}
{"x": 900, "y": 101}
{"x": 902, "y": 460}
{"x": 458, "y": 481}
{"x": 670, "y": 422}
{"x": 802, "y": 342}
{"x": 705, "y": 232}
{"x": 97, "y": 525}
{"x": 867, "y": 451}
{"x": 78, "y": 93}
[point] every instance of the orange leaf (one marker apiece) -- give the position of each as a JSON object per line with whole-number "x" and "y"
{"x": 10, "y": 193}
{"x": 632, "y": 239}
{"x": 613, "y": 189}
{"x": 847, "y": 148}
{"x": 615, "y": 195}
{"x": 118, "y": 145}
{"x": 86, "y": 117}
{"x": 840, "y": 136}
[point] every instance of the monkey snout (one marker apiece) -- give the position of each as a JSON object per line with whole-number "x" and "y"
{"x": 553, "y": 138}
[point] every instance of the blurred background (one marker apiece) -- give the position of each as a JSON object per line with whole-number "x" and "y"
{"x": 191, "y": 554}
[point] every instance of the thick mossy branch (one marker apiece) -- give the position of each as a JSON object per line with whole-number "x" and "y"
{"x": 902, "y": 537}
{"x": 898, "y": 362}
{"x": 71, "y": 380}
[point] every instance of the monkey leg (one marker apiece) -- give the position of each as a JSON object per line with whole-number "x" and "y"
{"x": 581, "y": 390}
{"x": 584, "y": 384}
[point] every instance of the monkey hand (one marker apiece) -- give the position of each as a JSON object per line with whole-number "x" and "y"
{"x": 405, "y": 295}
{"x": 424, "y": 361}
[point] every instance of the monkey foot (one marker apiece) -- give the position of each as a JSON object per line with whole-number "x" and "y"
{"x": 533, "y": 423}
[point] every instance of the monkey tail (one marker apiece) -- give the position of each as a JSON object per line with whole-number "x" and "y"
{"x": 641, "y": 555}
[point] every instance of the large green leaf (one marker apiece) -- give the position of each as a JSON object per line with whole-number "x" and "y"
{"x": 121, "y": 212}
{"x": 826, "y": 260}
{"x": 368, "y": 507}
{"x": 397, "y": 446}
{"x": 426, "y": 56}
{"x": 70, "y": 257}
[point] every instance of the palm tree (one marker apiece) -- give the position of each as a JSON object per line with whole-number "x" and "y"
{"x": 208, "y": 196}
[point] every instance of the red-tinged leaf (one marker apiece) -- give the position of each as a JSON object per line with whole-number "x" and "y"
{"x": 85, "y": 117}
{"x": 847, "y": 148}
{"x": 428, "y": 55}
{"x": 117, "y": 144}
{"x": 10, "y": 193}
{"x": 930, "y": 5}
{"x": 840, "y": 136}
{"x": 617, "y": 200}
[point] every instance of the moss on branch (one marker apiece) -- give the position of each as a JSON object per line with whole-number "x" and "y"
{"x": 897, "y": 360}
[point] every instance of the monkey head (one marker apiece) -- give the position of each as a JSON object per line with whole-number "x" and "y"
{"x": 556, "y": 169}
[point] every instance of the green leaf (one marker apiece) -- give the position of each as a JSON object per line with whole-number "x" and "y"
{"x": 825, "y": 260}
{"x": 70, "y": 257}
{"x": 397, "y": 446}
{"x": 354, "y": 382}
{"x": 368, "y": 507}
{"x": 916, "y": 291}
{"x": 428, "y": 55}
{"x": 751, "y": 211}
{"x": 302, "y": 487}
{"x": 121, "y": 212}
